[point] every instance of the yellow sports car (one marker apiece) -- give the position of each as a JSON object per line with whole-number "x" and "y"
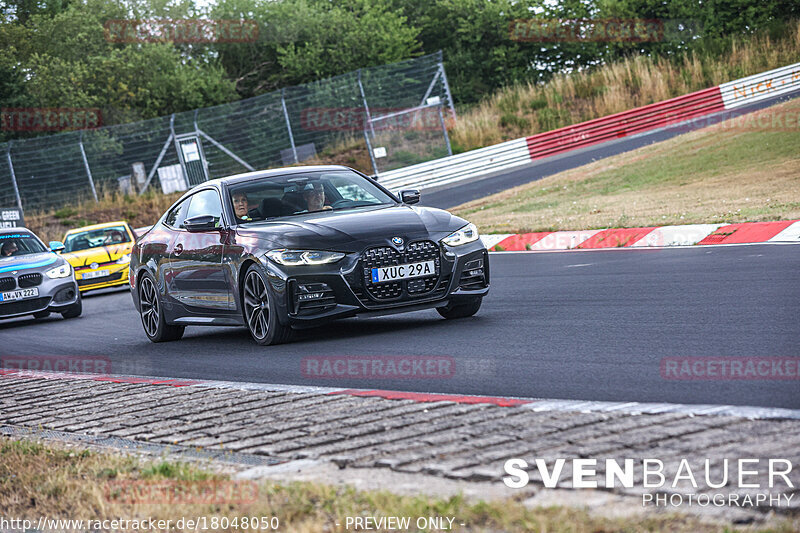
{"x": 100, "y": 254}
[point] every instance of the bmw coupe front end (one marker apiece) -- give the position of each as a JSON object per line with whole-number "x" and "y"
{"x": 292, "y": 248}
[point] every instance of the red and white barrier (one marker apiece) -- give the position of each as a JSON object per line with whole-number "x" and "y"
{"x": 504, "y": 156}
{"x": 787, "y": 231}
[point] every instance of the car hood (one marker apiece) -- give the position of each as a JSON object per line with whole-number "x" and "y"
{"x": 352, "y": 230}
{"x": 101, "y": 254}
{"x": 30, "y": 261}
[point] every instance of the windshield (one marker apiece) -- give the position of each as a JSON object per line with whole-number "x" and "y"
{"x": 294, "y": 194}
{"x": 83, "y": 240}
{"x": 16, "y": 244}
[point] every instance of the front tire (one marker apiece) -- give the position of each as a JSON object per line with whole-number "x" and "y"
{"x": 74, "y": 310}
{"x": 155, "y": 326}
{"x": 260, "y": 311}
{"x": 460, "y": 311}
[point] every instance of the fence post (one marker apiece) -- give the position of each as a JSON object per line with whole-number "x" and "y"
{"x": 86, "y": 166}
{"x": 371, "y": 129}
{"x": 447, "y": 91}
{"x": 371, "y": 155}
{"x": 289, "y": 127}
{"x": 364, "y": 100}
{"x": 200, "y": 147}
{"x": 155, "y": 165}
{"x": 13, "y": 176}
{"x": 444, "y": 130}
{"x": 178, "y": 148}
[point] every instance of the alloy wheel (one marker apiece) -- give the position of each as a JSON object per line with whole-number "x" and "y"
{"x": 149, "y": 305}
{"x": 256, "y": 305}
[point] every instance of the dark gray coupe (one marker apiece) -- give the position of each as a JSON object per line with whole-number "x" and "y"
{"x": 290, "y": 248}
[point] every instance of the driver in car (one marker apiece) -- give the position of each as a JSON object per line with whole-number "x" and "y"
{"x": 9, "y": 249}
{"x": 314, "y": 196}
{"x": 115, "y": 237}
{"x": 241, "y": 206}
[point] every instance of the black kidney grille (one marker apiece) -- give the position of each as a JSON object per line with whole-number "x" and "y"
{"x": 384, "y": 256}
{"x": 29, "y": 280}
{"x": 381, "y": 257}
{"x": 7, "y": 284}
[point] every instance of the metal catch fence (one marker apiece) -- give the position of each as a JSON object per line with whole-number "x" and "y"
{"x": 398, "y": 110}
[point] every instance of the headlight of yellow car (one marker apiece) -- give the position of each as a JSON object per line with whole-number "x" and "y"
{"x": 59, "y": 272}
{"x": 124, "y": 259}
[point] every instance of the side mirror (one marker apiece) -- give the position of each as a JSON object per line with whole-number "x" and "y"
{"x": 201, "y": 223}
{"x": 410, "y": 196}
{"x": 56, "y": 246}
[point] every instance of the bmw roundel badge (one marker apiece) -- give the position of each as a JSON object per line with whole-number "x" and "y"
{"x": 397, "y": 241}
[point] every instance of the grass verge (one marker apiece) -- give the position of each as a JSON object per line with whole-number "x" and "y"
{"x": 738, "y": 171}
{"x": 63, "y": 482}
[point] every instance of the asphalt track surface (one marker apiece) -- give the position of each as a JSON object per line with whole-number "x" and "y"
{"x": 462, "y": 192}
{"x": 590, "y": 325}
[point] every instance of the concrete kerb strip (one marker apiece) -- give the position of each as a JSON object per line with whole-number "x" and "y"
{"x": 534, "y": 404}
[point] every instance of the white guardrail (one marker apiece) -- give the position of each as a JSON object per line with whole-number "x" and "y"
{"x": 458, "y": 167}
{"x": 759, "y": 87}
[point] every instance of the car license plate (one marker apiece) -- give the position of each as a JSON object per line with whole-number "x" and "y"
{"x": 18, "y": 295}
{"x": 95, "y": 274}
{"x": 407, "y": 271}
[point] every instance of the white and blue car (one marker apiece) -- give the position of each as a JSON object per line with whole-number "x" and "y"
{"x": 34, "y": 279}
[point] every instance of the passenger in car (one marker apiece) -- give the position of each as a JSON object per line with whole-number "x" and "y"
{"x": 314, "y": 196}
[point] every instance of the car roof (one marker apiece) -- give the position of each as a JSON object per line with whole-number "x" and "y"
{"x": 18, "y": 229}
{"x": 247, "y": 176}
{"x": 97, "y": 226}
{"x": 238, "y": 178}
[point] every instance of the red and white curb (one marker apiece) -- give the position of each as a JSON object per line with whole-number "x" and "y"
{"x": 534, "y": 404}
{"x": 784, "y": 231}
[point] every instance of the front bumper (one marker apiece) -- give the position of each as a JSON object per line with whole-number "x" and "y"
{"x": 117, "y": 275}
{"x": 55, "y": 295}
{"x": 313, "y": 295}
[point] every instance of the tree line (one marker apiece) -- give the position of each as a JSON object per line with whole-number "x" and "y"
{"x": 64, "y": 54}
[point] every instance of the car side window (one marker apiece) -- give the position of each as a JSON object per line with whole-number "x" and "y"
{"x": 205, "y": 203}
{"x": 177, "y": 215}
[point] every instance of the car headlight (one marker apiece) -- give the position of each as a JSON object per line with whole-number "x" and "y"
{"x": 124, "y": 259}
{"x": 467, "y": 234}
{"x": 303, "y": 257}
{"x": 59, "y": 272}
